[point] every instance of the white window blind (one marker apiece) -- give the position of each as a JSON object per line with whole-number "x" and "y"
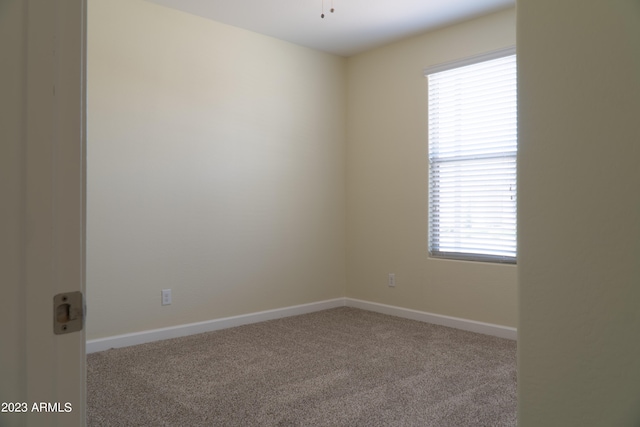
{"x": 472, "y": 160}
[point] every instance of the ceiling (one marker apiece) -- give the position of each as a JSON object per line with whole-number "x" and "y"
{"x": 356, "y": 25}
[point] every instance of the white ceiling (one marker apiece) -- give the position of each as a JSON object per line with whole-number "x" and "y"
{"x": 356, "y": 25}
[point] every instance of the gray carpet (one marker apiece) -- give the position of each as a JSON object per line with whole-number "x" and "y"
{"x": 339, "y": 367}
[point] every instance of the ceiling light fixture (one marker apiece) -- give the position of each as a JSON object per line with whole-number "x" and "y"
{"x": 332, "y": 9}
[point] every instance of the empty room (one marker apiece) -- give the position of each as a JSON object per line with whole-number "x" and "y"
{"x": 284, "y": 220}
{"x": 255, "y": 178}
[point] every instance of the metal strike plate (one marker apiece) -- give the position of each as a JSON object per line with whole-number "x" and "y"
{"x": 68, "y": 313}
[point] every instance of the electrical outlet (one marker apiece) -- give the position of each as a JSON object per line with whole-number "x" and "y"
{"x": 392, "y": 280}
{"x": 166, "y": 296}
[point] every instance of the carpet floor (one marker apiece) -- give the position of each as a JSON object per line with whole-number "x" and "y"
{"x": 339, "y": 367}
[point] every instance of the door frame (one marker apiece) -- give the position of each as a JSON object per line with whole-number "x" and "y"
{"x": 48, "y": 208}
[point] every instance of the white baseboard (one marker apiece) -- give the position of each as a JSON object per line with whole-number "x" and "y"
{"x": 230, "y": 322}
{"x": 438, "y": 319}
{"x": 207, "y": 326}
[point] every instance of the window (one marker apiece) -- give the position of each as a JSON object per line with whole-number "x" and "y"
{"x": 472, "y": 158}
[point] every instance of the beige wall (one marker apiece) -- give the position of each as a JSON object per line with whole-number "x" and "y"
{"x": 387, "y": 180}
{"x": 216, "y": 168}
{"x": 579, "y": 206}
